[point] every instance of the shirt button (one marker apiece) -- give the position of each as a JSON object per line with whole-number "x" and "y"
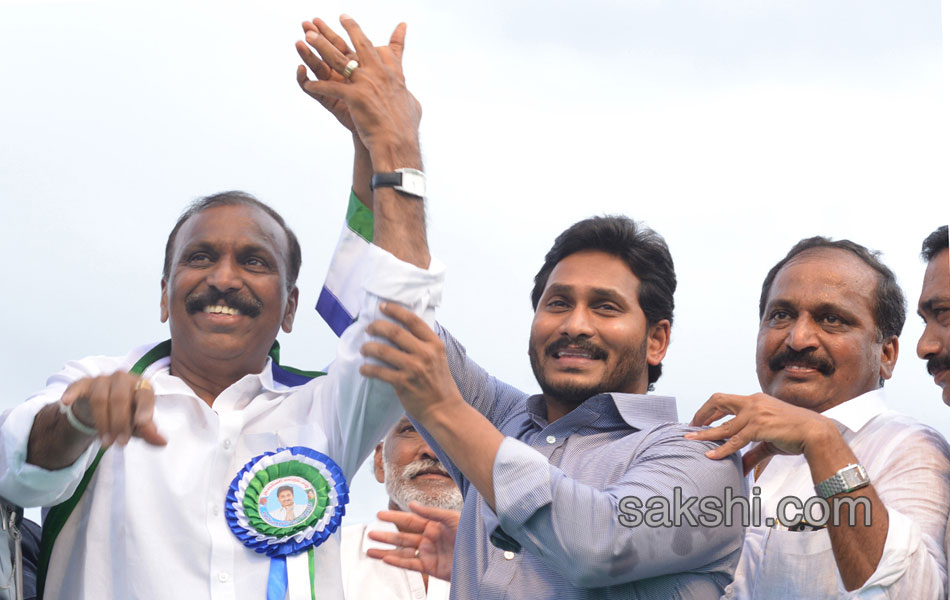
{"x": 509, "y": 554}
{"x": 551, "y": 439}
{"x": 226, "y": 444}
{"x": 223, "y": 577}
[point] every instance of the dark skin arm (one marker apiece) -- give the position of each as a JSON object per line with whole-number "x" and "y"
{"x": 385, "y": 117}
{"x": 781, "y": 428}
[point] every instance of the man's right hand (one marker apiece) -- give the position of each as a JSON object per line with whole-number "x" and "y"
{"x": 425, "y": 542}
{"x": 118, "y": 406}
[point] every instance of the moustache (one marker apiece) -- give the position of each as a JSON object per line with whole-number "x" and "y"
{"x": 422, "y": 465}
{"x": 246, "y": 303}
{"x": 596, "y": 352}
{"x": 941, "y": 362}
{"x": 806, "y": 358}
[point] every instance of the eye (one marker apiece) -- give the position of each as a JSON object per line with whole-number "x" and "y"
{"x": 833, "y": 320}
{"x": 199, "y": 258}
{"x": 607, "y": 307}
{"x": 256, "y": 263}
{"x": 779, "y": 315}
{"x": 556, "y": 304}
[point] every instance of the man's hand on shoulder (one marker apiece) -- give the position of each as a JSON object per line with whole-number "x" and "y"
{"x": 780, "y": 427}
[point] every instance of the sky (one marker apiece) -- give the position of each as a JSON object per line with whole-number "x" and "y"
{"x": 734, "y": 128}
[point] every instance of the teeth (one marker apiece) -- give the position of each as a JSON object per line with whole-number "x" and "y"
{"x": 222, "y": 310}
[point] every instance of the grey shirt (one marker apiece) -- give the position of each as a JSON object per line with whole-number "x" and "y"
{"x": 565, "y": 494}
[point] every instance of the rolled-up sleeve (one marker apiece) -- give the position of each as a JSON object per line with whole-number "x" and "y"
{"x": 577, "y": 528}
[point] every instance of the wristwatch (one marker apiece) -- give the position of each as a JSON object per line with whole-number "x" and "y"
{"x": 408, "y": 181}
{"x": 848, "y": 479}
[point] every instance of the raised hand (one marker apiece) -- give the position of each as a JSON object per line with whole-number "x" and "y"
{"x": 425, "y": 542}
{"x": 373, "y": 101}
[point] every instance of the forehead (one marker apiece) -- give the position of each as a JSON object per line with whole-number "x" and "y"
{"x": 825, "y": 276}
{"x": 936, "y": 279}
{"x": 593, "y": 271}
{"x": 236, "y": 225}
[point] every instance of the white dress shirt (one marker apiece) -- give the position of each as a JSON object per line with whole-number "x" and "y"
{"x": 136, "y": 534}
{"x": 366, "y": 578}
{"x": 909, "y": 468}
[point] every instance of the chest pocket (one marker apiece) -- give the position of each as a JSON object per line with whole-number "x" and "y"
{"x": 790, "y": 553}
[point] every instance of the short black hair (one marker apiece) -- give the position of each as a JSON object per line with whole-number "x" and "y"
{"x": 644, "y": 251}
{"x": 236, "y": 198}
{"x": 890, "y": 308}
{"x": 935, "y": 243}
{"x": 284, "y": 488}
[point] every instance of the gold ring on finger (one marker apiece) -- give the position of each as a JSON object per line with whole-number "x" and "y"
{"x": 142, "y": 384}
{"x": 349, "y": 68}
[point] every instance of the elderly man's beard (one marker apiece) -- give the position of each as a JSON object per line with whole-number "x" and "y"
{"x": 402, "y": 489}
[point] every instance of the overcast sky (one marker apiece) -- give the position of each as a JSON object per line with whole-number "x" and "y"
{"x": 734, "y": 128}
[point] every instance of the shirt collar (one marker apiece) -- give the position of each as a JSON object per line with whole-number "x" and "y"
{"x": 856, "y": 412}
{"x": 640, "y": 411}
{"x": 252, "y": 383}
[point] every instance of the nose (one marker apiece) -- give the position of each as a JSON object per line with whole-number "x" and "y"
{"x": 224, "y": 276}
{"x": 425, "y": 451}
{"x": 802, "y": 334}
{"x": 929, "y": 343}
{"x": 577, "y": 323}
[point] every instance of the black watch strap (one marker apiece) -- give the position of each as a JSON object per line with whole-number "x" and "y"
{"x": 385, "y": 180}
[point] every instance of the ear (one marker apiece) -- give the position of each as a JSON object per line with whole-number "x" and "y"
{"x": 378, "y": 464}
{"x": 287, "y": 324}
{"x": 889, "y": 350}
{"x": 163, "y": 315}
{"x": 658, "y": 340}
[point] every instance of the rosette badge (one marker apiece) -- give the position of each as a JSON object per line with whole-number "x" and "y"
{"x": 286, "y": 502}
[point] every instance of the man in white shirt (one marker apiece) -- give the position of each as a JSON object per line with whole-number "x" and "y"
{"x": 830, "y": 317}
{"x": 198, "y": 408}
{"x": 411, "y": 473}
{"x": 934, "y": 308}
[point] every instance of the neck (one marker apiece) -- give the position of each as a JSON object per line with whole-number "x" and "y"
{"x": 208, "y": 378}
{"x": 557, "y": 408}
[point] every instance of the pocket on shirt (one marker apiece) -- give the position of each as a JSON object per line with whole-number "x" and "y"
{"x": 800, "y": 563}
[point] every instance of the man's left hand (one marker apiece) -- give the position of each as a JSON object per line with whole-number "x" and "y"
{"x": 781, "y": 428}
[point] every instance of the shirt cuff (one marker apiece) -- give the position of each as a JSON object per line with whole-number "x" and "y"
{"x": 522, "y": 482}
{"x": 28, "y": 484}
{"x": 389, "y": 278}
{"x": 902, "y": 542}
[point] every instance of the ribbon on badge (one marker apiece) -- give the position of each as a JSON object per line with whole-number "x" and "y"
{"x": 285, "y": 503}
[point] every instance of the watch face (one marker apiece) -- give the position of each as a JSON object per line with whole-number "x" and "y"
{"x": 854, "y": 476}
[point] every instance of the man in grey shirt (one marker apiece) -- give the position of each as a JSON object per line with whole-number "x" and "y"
{"x": 589, "y": 489}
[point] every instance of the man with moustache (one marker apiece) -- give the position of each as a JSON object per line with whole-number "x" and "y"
{"x": 544, "y": 476}
{"x": 934, "y": 308}
{"x": 191, "y": 413}
{"x": 415, "y": 478}
{"x": 830, "y": 316}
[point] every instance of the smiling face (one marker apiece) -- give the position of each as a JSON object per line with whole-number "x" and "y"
{"x": 589, "y": 334}
{"x": 934, "y": 308}
{"x": 286, "y": 498}
{"x": 226, "y": 296}
{"x": 411, "y": 471}
{"x": 818, "y": 343}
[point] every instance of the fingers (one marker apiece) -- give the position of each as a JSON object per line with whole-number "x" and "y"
{"x": 397, "y": 41}
{"x": 119, "y": 406}
{"x": 408, "y": 319}
{"x": 446, "y": 516}
{"x": 365, "y": 51}
{"x": 397, "y": 538}
{"x": 142, "y": 424}
{"x": 413, "y": 564}
{"x": 718, "y": 406}
{"x": 339, "y": 43}
{"x": 317, "y": 66}
{"x": 403, "y": 520}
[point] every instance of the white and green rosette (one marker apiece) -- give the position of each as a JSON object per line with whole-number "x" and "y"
{"x": 284, "y": 503}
